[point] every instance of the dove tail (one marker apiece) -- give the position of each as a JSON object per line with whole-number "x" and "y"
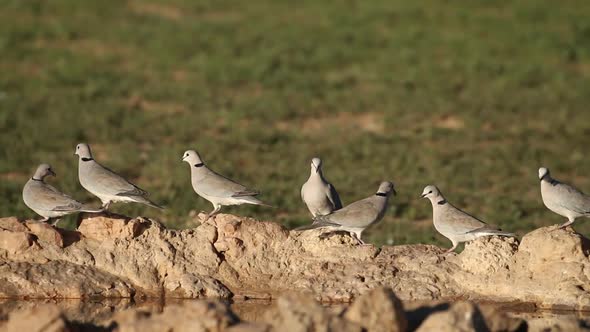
{"x": 90, "y": 210}
{"x": 255, "y": 201}
{"x": 316, "y": 224}
{"x": 494, "y": 232}
{"x": 150, "y": 203}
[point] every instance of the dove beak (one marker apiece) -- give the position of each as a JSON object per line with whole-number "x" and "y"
{"x": 52, "y": 173}
{"x": 394, "y": 192}
{"x": 422, "y": 196}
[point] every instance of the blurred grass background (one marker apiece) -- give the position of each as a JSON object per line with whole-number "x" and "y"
{"x": 472, "y": 96}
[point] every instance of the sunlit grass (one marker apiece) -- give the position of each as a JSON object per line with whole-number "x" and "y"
{"x": 471, "y": 97}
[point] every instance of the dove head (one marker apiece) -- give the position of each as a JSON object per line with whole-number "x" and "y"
{"x": 431, "y": 192}
{"x": 42, "y": 171}
{"x": 316, "y": 165}
{"x": 193, "y": 158}
{"x": 83, "y": 151}
{"x": 543, "y": 173}
{"x": 386, "y": 188}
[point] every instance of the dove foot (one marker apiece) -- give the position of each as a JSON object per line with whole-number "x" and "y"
{"x": 358, "y": 238}
{"x": 451, "y": 249}
{"x": 567, "y": 223}
{"x": 54, "y": 223}
{"x": 214, "y": 212}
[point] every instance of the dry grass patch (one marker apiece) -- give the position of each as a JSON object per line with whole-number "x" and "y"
{"x": 366, "y": 122}
{"x": 153, "y": 9}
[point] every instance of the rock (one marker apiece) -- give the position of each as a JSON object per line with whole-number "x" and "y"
{"x": 207, "y": 315}
{"x": 46, "y": 318}
{"x": 45, "y": 233}
{"x": 292, "y": 312}
{"x": 110, "y": 226}
{"x": 461, "y": 317}
{"x": 15, "y": 242}
{"x": 378, "y": 310}
{"x": 498, "y": 320}
{"x": 86, "y": 311}
{"x": 149, "y": 258}
{"x": 12, "y": 224}
{"x": 300, "y": 312}
{"x": 246, "y": 258}
{"x": 58, "y": 279}
{"x": 487, "y": 255}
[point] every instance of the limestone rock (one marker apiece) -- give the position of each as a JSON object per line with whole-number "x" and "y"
{"x": 58, "y": 279}
{"x": 300, "y": 312}
{"x": 110, "y": 226}
{"x": 378, "y": 310}
{"x": 461, "y": 317}
{"x": 206, "y": 315}
{"x": 12, "y": 224}
{"x": 246, "y": 258}
{"x": 46, "y": 318}
{"x": 487, "y": 255}
{"x": 45, "y": 232}
{"x": 15, "y": 242}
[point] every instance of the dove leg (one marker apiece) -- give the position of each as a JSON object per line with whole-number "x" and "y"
{"x": 357, "y": 237}
{"x": 214, "y": 212}
{"x": 105, "y": 206}
{"x": 567, "y": 223}
{"x": 455, "y": 244}
{"x": 45, "y": 219}
{"x": 54, "y": 224}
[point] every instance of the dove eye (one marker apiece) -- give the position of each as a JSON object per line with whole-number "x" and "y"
{"x": 430, "y": 192}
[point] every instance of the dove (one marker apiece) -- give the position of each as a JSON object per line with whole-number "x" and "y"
{"x": 317, "y": 193}
{"x": 455, "y": 224}
{"x": 105, "y": 184}
{"x": 356, "y": 217}
{"x": 47, "y": 201}
{"x": 562, "y": 198}
{"x": 218, "y": 190}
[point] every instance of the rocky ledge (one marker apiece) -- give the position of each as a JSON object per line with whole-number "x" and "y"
{"x": 241, "y": 258}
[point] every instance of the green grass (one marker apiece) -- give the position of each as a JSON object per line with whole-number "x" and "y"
{"x": 470, "y": 96}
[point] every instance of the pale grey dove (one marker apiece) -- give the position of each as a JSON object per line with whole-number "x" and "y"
{"x": 563, "y": 199}
{"x": 455, "y": 224}
{"x": 317, "y": 193}
{"x": 106, "y": 184}
{"x": 356, "y": 217}
{"x": 47, "y": 201}
{"x": 217, "y": 189}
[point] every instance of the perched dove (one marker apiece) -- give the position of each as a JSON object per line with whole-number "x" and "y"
{"x": 106, "y": 184}
{"x": 357, "y": 216}
{"x": 563, "y": 199}
{"x": 47, "y": 201}
{"x": 318, "y": 194}
{"x": 455, "y": 224}
{"x": 218, "y": 190}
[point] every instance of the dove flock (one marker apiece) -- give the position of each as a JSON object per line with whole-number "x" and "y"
{"x": 317, "y": 193}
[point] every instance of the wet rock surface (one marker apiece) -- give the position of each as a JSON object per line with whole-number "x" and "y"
{"x": 112, "y": 256}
